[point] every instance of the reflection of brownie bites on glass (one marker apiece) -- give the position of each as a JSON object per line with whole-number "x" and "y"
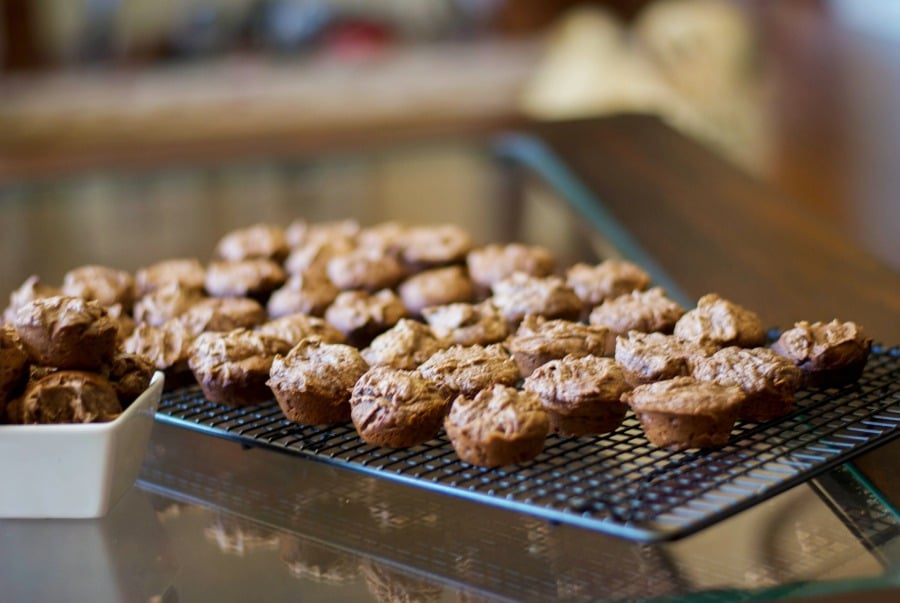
{"x": 67, "y": 332}
{"x": 406, "y": 345}
{"x": 223, "y": 314}
{"x": 827, "y": 354}
{"x": 768, "y": 380}
{"x": 260, "y": 241}
{"x": 390, "y": 586}
{"x": 308, "y": 560}
{"x": 646, "y": 311}
{"x": 310, "y": 292}
{"x": 470, "y": 369}
{"x": 13, "y": 364}
{"x": 188, "y": 273}
{"x": 313, "y": 382}
{"x": 499, "y": 426}
{"x": 438, "y": 245}
{"x": 69, "y": 397}
{"x": 130, "y": 375}
{"x": 648, "y": 357}
{"x": 581, "y": 394}
{"x": 232, "y": 368}
{"x": 295, "y": 327}
{"x": 520, "y": 294}
{"x": 28, "y": 291}
{"x": 467, "y": 324}
{"x": 607, "y": 280}
{"x": 245, "y": 278}
{"x": 684, "y": 413}
{"x": 396, "y": 408}
{"x": 368, "y": 268}
{"x": 107, "y": 286}
{"x": 493, "y": 263}
{"x": 167, "y": 348}
{"x": 721, "y": 322}
{"x": 361, "y": 316}
{"x": 539, "y": 340}
{"x": 164, "y": 303}
{"x": 436, "y": 287}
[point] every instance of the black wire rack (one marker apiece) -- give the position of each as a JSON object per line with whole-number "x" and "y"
{"x": 615, "y": 483}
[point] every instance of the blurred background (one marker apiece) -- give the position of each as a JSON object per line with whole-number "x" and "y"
{"x": 799, "y": 93}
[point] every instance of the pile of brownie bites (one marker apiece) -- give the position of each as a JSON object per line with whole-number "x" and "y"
{"x": 405, "y": 330}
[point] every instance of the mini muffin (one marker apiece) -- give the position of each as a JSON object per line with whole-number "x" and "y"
{"x": 313, "y": 382}
{"x": 539, "y": 340}
{"x": 467, "y": 324}
{"x": 188, "y": 273}
{"x": 649, "y": 357}
{"x": 721, "y": 322}
{"x": 436, "y": 287}
{"x": 102, "y": 284}
{"x": 244, "y": 278}
{"x": 316, "y": 254}
{"x": 521, "y": 294}
{"x": 232, "y": 367}
{"x": 295, "y": 327}
{"x": 222, "y": 314}
{"x": 130, "y": 376}
{"x": 646, "y": 311}
{"x": 28, "y": 291}
{"x": 68, "y": 397}
{"x": 302, "y": 232}
{"x": 684, "y": 413}
{"x": 406, "y": 345}
{"x": 768, "y": 380}
{"x": 13, "y": 364}
{"x": 607, "y": 280}
{"x": 499, "y": 426}
{"x": 437, "y": 245}
{"x": 309, "y": 292}
{"x": 389, "y": 237}
{"x": 165, "y": 302}
{"x": 581, "y": 394}
{"x": 67, "y": 332}
{"x": 166, "y": 347}
{"x": 396, "y": 408}
{"x": 260, "y": 241}
{"x": 124, "y": 322}
{"x": 368, "y": 268}
{"x": 469, "y": 369}
{"x": 827, "y": 354}
{"x": 361, "y": 316}
{"x": 493, "y": 263}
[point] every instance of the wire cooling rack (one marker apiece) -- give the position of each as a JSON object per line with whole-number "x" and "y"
{"x": 615, "y": 483}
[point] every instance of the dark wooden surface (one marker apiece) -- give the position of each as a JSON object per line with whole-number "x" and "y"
{"x": 713, "y": 228}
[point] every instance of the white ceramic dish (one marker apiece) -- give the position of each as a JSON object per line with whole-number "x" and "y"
{"x": 75, "y": 470}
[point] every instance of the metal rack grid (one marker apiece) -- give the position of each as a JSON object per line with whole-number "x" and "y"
{"x": 615, "y": 483}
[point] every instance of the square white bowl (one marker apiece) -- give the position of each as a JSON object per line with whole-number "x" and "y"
{"x": 78, "y": 470}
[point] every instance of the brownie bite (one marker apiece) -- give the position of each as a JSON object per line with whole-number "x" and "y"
{"x": 396, "y": 408}
{"x": 498, "y": 426}
{"x": 406, "y": 345}
{"x": 683, "y": 413}
{"x": 260, "y": 241}
{"x": 649, "y": 357}
{"x": 309, "y": 292}
{"x": 646, "y": 311}
{"x": 721, "y": 322}
{"x": 28, "y": 291}
{"x": 188, "y": 273}
{"x": 222, "y": 314}
{"x": 467, "y": 324}
{"x": 521, "y": 294}
{"x": 539, "y": 340}
{"x": 105, "y": 285}
{"x": 828, "y": 354}
{"x": 581, "y": 394}
{"x": 233, "y": 367}
{"x": 167, "y": 348}
{"x": 492, "y": 263}
{"x": 470, "y": 369}
{"x": 768, "y": 380}
{"x": 435, "y": 245}
{"x": 313, "y": 382}
{"x": 367, "y": 268}
{"x": 361, "y": 316}
{"x": 130, "y": 376}
{"x": 68, "y": 397}
{"x": 255, "y": 278}
{"x": 436, "y": 287}
{"x": 13, "y": 364}
{"x": 315, "y": 255}
{"x": 296, "y": 327}
{"x": 302, "y": 232}
{"x": 165, "y": 302}
{"x": 609, "y": 279}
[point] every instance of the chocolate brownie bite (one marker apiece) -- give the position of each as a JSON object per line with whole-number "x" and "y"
{"x": 436, "y": 287}
{"x": 467, "y": 324}
{"x": 581, "y": 394}
{"x": 124, "y": 322}
{"x": 649, "y": 357}
{"x": 13, "y": 364}
{"x": 539, "y": 340}
{"x": 295, "y": 327}
{"x": 260, "y": 241}
{"x": 68, "y": 397}
{"x": 646, "y": 311}
{"x": 313, "y": 382}
{"x": 28, "y": 291}
{"x": 244, "y": 278}
{"x": 67, "y": 332}
{"x": 302, "y": 232}
{"x": 396, "y": 408}
{"x": 222, "y": 314}
{"x": 406, "y": 345}
{"x": 130, "y": 376}
{"x": 232, "y": 368}
{"x": 499, "y": 426}
{"x": 768, "y": 380}
{"x": 316, "y": 254}
{"x": 361, "y": 316}
{"x": 388, "y": 237}
{"x": 166, "y": 302}
{"x": 828, "y": 354}
{"x": 683, "y": 413}
{"x": 469, "y": 369}
{"x": 187, "y": 273}
{"x": 492, "y": 263}
{"x": 167, "y": 348}
{"x": 607, "y": 280}
{"x": 102, "y": 284}
{"x": 368, "y": 268}
{"x": 721, "y": 322}
{"x": 521, "y": 294}
{"x": 309, "y": 292}
{"x": 436, "y": 245}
